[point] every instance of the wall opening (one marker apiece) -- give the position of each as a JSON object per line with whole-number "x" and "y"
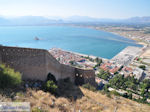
{"x": 51, "y": 77}
{"x": 79, "y": 79}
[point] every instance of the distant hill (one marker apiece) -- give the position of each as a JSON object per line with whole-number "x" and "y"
{"x": 39, "y": 20}
{"x": 3, "y": 21}
{"x": 145, "y": 19}
{"x": 90, "y": 19}
{"x": 28, "y": 20}
{"x": 86, "y": 19}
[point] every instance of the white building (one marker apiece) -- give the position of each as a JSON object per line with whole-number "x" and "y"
{"x": 138, "y": 73}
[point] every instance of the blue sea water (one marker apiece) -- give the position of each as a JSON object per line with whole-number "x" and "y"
{"x": 81, "y": 40}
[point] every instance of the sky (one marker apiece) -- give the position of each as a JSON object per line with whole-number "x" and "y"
{"x": 116, "y": 9}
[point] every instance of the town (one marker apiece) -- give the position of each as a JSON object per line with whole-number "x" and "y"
{"x": 129, "y": 63}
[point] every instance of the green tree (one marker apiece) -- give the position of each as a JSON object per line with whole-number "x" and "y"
{"x": 103, "y": 74}
{"x": 144, "y": 87}
{"x": 71, "y": 62}
{"x": 8, "y": 77}
{"x": 50, "y": 86}
{"x": 117, "y": 82}
{"x": 142, "y": 67}
{"x": 98, "y": 60}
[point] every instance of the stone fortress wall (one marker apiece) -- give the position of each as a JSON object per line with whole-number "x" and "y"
{"x": 36, "y": 64}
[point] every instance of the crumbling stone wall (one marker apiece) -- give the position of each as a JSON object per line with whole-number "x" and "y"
{"x": 36, "y": 64}
{"x": 88, "y": 75}
{"x": 67, "y": 72}
{"x": 29, "y": 62}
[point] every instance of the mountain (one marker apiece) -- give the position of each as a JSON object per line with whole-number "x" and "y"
{"x": 145, "y": 19}
{"x": 3, "y": 21}
{"x": 106, "y": 20}
{"x": 28, "y": 20}
{"x": 39, "y": 20}
{"x": 86, "y": 19}
{"x": 33, "y": 20}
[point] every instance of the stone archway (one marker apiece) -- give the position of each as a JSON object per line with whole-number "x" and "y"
{"x": 51, "y": 77}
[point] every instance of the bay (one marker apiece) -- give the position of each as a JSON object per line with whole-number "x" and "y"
{"x": 82, "y": 40}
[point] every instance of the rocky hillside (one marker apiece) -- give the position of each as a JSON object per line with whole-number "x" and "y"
{"x": 72, "y": 98}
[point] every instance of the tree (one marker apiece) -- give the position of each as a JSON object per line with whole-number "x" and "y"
{"x": 98, "y": 60}
{"x": 131, "y": 82}
{"x": 8, "y": 77}
{"x": 106, "y": 88}
{"x": 71, "y": 62}
{"x": 50, "y": 86}
{"x": 103, "y": 74}
{"x": 142, "y": 67}
{"x": 117, "y": 82}
{"x": 144, "y": 87}
{"x": 130, "y": 95}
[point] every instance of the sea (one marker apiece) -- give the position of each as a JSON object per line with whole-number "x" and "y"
{"x": 81, "y": 40}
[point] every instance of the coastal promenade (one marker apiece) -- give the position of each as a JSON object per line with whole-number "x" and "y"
{"x": 91, "y": 56}
{"x": 65, "y": 57}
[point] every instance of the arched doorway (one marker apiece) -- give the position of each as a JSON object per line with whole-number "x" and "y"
{"x": 51, "y": 77}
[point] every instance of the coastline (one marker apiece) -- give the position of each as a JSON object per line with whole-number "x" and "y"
{"x": 85, "y": 55}
{"x": 116, "y": 33}
{"x": 137, "y": 41}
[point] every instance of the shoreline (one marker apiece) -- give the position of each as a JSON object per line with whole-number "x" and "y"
{"x": 97, "y": 28}
{"x": 85, "y": 55}
{"x": 91, "y": 27}
{"x": 115, "y": 33}
{"x": 136, "y": 41}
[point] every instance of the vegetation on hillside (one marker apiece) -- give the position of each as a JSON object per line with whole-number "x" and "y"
{"x": 131, "y": 85}
{"x": 121, "y": 82}
{"x": 103, "y": 74}
{"x": 86, "y": 101}
{"x": 8, "y": 77}
{"x": 142, "y": 67}
{"x": 89, "y": 86}
{"x": 50, "y": 86}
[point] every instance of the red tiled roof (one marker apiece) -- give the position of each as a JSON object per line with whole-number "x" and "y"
{"x": 109, "y": 67}
{"x": 127, "y": 69}
{"x": 114, "y": 70}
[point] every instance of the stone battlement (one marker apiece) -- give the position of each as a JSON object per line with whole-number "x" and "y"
{"x": 36, "y": 64}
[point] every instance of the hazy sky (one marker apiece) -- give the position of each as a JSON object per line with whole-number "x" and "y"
{"x": 64, "y": 8}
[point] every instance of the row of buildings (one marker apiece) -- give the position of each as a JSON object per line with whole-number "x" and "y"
{"x": 69, "y": 58}
{"x": 113, "y": 68}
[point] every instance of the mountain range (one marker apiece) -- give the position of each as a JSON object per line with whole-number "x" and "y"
{"x": 39, "y": 20}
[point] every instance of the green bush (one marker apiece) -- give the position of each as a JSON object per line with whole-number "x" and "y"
{"x": 50, "y": 86}
{"x": 89, "y": 86}
{"x": 8, "y": 77}
{"x": 130, "y": 95}
{"x": 105, "y": 88}
{"x": 103, "y": 74}
{"x": 142, "y": 67}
